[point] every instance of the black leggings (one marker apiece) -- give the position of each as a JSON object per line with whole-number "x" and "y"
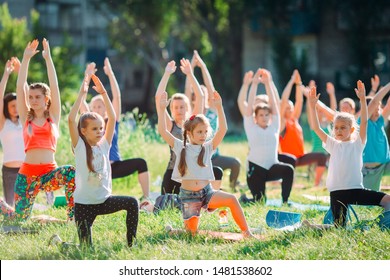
{"x": 85, "y": 215}
{"x": 123, "y": 168}
{"x": 257, "y": 176}
{"x": 287, "y": 158}
{"x": 170, "y": 186}
{"x": 339, "y": 201}
{"x": 319, "y": 158}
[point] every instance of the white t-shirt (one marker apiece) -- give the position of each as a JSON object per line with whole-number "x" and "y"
{"x": 263, "y": 142}
{"x": 345, "y": 164}
{"x": 11, "y": 137}
{"x": 194, "y": 171}
{"x": 91, "y": 187}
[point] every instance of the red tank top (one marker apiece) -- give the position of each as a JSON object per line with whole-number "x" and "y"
{"x": 41, "y": 137}
{"x": 292, "y": 141}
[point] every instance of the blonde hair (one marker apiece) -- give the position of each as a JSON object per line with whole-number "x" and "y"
{"x": 180, "y": 96}
{"x": 83, "y": 123}
{"x": 350, "y": 119}
{"x": 188, "y": 127}
{"x": 349, "y": 101}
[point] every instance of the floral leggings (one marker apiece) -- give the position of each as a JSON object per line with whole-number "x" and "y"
{"x": 28, "y": 187}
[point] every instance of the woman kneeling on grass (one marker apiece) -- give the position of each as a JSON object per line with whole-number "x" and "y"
{"x": 345, "y": 180}
{"x": 193, "y": 166}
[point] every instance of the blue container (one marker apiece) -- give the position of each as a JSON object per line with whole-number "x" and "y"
{"x": 280, "y": 219}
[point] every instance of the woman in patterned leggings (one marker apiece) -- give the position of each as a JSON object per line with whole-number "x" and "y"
{"x": 40, "y": 117}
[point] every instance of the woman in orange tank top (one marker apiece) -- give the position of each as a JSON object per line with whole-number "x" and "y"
{"x": 40, "y": 117}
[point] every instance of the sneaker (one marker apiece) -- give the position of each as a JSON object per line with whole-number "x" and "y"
{"x": 55, "y": 240}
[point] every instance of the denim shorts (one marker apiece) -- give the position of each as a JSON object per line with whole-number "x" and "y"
{"x": 193, "y": 202}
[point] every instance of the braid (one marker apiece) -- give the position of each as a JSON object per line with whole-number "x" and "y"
{"x": 200, "y": 156}
{"x": 182, "y": 163}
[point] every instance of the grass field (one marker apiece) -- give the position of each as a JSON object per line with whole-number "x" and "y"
{"x": 154, "y": 243}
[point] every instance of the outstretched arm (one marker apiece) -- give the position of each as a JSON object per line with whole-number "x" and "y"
{"x": 55, "y": 107}
{"x": 21, "y": 89}
{"x": 374, "y": 85}
{"x": 110, "y": 127}
{"x": 73, "y": 130}
{"x": 332, "y": 96}
{"x": 116, "y": 93}
{"x": 361, "y": 94}
{"x": 161, "y": 105}
{"x": 205, "y": 73}
{"x": 222, "y": 124}
{"x": 162, "y": 87}
{"x": 186, "y": 68}
{"x": 312, "y": 100}
{"x": 287, "y": 91}
{"x": 242, "y": 95}
{"x": 3, "y": 84}
{"x": 377, "y": 99}
{"x": 252, "y": 93}
{"x": 89, "y": 71}
{"x": 266, "y": 79}
{"x": 298, "y": 96}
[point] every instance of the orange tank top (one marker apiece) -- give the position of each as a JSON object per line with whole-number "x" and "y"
{"x": 41, "y": 137}
{"x": 292, "y": 141}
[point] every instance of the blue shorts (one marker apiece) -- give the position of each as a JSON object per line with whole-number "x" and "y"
{"x": 193, "y": 202}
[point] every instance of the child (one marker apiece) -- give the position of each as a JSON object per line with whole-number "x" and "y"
{"x": 91, "y": 140}
{"x": 120, "y": 168}
{"x": 194, "y": 168}
{"x": 180, "y": 110}
{"x": 262, "y": 126}
{"x": 11, "y": 134}
{"x": 218, "y": 160}
{"x": 345, "y": 181}
{"x": 40, "y": 117}
{"x": 376, "y": 154}
{"x": 291, "y": 133}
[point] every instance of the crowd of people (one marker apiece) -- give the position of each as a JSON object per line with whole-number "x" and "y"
{"x": 351, "y": 146}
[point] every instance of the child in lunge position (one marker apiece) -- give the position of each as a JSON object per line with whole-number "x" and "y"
{"x": 91, "y": 141}
{"x": 193, "y": 167}
{"x": 345, "y": 180}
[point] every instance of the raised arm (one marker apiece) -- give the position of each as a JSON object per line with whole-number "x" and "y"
{"x": 386, "y": 109}
{"x": 222, "y": 124}
{"x": 90, "y": 69}
{"x": 55, "y": 107}
{"x": 242, "y": 95}
{"x": 374, "y": 85}
{"x": 332, "y": 96}
{"x": 312, "y": 101}
{"x": 73, "y": 130}
{"x": 252, "y": 93}
{"x": 186, "y": 68}
{"x": 110, "y": 126}
{"x": 3, "y": 84}
{"x": 286, "y": 93}
{"x": 377, "y": 99}
{"x": 21, "y": 89}
{"x": 162, "y": 87}
{"x": 266, "y": 79}
{"x": 361, "y": 94}
{"x": 161, "y": 107}
{"x": 116, "y": 93}
{"x": 298, "y": 96}
{"x": 205, "y": 72}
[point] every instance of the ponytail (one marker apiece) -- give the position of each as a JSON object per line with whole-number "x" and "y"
{"x": 200, "y": 156}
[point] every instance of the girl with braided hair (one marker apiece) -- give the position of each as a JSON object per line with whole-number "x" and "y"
{"x": 194, "y": 167}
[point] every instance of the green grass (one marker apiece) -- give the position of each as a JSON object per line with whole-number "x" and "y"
{"x": 153, "y": 242}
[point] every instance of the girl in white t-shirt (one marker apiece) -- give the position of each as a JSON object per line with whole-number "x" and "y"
{"x": 345, "y": 146}
{"x": 91, "y": 145}
{"x": 193, "y": 167}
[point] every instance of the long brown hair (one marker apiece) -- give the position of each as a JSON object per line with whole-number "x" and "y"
{"x": 188, "y": 127}
{"x": 83, "y": 123}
